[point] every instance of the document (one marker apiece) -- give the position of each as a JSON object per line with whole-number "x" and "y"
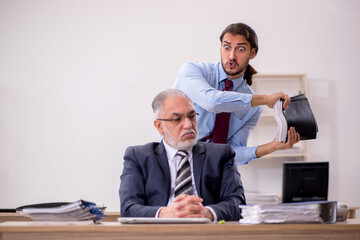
{"x": 261, "y": 198}
{"x": 282, "y": 128}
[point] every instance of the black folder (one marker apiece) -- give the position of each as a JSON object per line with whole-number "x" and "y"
{"x": 299, "y": 115}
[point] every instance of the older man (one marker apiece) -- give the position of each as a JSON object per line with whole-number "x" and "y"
{"x": 179, "y": 177}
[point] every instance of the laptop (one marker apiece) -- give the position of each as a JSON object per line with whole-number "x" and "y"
{"x": 151, "y": 220}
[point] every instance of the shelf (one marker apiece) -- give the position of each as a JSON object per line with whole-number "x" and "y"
{"x": 291, "y": 84}
{"x": 266, "y": 83}
{"x": 279, "y": 76}
{"x": 279, "y": 155}
{"x": 265, "y": 174}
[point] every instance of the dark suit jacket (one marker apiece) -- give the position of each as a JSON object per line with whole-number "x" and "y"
{"x": 145, "y": 181}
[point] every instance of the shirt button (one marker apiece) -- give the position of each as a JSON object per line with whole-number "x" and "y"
{"x": 244, "y": 106}
{"x": 249, "y": 156}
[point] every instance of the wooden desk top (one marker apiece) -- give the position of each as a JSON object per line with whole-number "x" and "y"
{"x": 230, "y": 230}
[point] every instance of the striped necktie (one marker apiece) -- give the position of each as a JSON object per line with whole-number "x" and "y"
{"x": 183, "y": 182}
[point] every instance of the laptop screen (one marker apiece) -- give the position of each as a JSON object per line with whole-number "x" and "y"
{"x": 305, "y": 181}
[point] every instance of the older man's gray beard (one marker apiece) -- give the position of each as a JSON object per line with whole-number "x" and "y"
{"x": 178, "y": 144}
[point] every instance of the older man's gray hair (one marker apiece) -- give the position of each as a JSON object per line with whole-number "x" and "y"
{"x": 158, "y": 102}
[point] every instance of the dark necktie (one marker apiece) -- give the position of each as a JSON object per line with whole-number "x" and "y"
{"x": 183, "y": 182}
{"x": 221, "y": 127}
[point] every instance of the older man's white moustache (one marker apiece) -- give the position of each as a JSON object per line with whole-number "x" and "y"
{"x": 188, "y": 134}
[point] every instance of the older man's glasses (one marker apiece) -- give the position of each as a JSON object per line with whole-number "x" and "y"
{"x": 180, "y": 119}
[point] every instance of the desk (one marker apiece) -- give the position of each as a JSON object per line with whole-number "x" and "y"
{"x": 110, "y": 216}
{"x": 230, "y": 230}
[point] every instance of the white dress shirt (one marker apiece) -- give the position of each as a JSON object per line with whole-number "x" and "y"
{"x": 174, "y": 161}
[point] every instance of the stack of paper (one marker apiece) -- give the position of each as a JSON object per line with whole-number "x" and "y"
{"x": 281, "y": 132}
{"x": 304, "y": 212}
{"x": 75, "y": 211}
{"x": 261, "y": 198}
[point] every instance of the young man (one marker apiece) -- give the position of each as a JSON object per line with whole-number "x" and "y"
{"x": 179, "y": 177}
{"x": 228, "y": 109}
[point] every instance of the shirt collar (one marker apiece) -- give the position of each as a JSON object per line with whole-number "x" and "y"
{"x": 171, "y": 152}
{"x": 222, "y": 75}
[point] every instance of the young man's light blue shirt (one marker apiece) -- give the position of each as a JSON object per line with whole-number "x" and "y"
{"x": 203, "y": 83}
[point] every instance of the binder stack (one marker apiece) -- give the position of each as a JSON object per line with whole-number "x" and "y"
{"x": 74, "y": 211}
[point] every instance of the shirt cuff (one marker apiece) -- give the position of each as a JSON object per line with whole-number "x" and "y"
{"x": 244, "y": 105}
{"x": 249, "y": 153}
{"x": 157, "y": 212}
{"x": 246, "y": 99}
{"x": 213, "y": 213}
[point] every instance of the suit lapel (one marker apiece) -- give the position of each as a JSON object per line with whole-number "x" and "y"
{"x": 161, "y": 158}
{"x": 198, "y": 163}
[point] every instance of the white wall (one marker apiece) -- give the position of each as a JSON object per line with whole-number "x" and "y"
{"x": 77, "y": 78}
